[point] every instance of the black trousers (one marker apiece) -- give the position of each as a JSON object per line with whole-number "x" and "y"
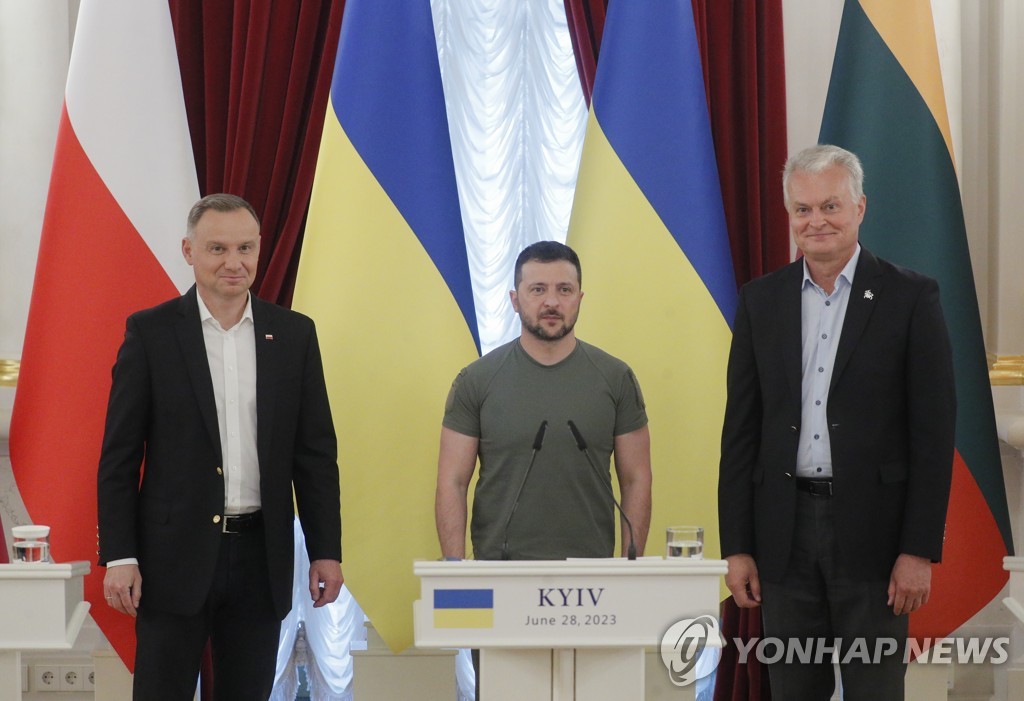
{"x": 819, "y": 599}
{"x": 239, "y": 621}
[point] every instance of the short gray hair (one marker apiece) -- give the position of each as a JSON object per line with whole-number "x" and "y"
{"x": 815, "y": 159}
{"x": 219, "y": 202}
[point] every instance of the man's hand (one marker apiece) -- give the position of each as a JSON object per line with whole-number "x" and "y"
{"x": 122, "y": 587}
{"x": 325, "y": 580}
{"x": 910, "y": 583}
{"x": 743, "y": 581}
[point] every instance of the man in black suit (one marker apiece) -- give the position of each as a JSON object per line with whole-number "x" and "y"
{"x": 222, "y": 396}
{"x": 837, "y": 445}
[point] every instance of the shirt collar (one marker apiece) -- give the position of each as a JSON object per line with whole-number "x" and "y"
{"x": 845, "y": 274}
{"x": 205, "y": 315}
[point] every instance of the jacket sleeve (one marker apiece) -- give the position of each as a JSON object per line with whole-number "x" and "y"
{"x": 123, "y": 449}
{"x": 741, "y": 438}
{"x": 315, "y": 462}
{"x": 931, "y": 420}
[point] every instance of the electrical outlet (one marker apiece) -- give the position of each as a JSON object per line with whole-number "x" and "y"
{"x": 90, "y": 679}
{"x": 72, "y": 678}
{"x": 45, "y": 677}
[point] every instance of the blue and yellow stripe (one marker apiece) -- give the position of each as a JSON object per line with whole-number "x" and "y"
{"x": 649, "y": 226}
{"x": 384, "y": 273}
{"x": 463, "y": 608}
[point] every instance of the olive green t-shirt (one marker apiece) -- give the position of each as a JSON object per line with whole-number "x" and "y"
{"x": 564, "y": 510}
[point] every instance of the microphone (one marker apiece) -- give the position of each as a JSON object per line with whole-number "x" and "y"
{"x": 582, "y": 445}
{"x": 537, "y": 443}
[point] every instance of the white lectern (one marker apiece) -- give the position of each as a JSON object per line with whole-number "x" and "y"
{"x": 41, "y": 608}
{"x": 561, "y": 630}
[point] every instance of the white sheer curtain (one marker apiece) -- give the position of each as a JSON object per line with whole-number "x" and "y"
{"x": 516, "y": 115}
{"x": 324, "y": 647}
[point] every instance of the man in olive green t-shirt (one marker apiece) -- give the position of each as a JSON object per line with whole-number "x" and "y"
{"x": 495, "y": 408}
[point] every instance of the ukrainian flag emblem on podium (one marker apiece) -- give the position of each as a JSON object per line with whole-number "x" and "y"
{"x": 463, "y": 608}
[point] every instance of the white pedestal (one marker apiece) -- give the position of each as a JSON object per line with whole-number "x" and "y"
{"x": 562, "y": 631}
{"x": 10, "y": 674}
{"x": 658, "y": 686}
{"x": 113, "y": 680}
{"x": 378, "y": 673}
{"x": 1012, "y": 673}
{"x": 41, "y": 608}
{"x": 926, "y": 682}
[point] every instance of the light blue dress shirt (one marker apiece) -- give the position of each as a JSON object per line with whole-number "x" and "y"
{"x": 821, "y": 323}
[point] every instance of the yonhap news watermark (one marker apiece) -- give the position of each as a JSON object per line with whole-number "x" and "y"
{"x": 873, "y": 650}
{"x": 685, "y": 640}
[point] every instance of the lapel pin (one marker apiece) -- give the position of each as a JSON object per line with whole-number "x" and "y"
{"x": 868, "y": 294}
{"x": 269, "y": 337}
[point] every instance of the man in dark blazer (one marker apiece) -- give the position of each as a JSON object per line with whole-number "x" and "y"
{"x": 837, "y": 445}
{"x": 222, "y": 397}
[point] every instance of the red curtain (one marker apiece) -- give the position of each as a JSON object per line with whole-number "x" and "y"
{"x": 741, "y": 47}
{"x": 736, "y": 682}
{"x": 586, "y": 25}
{"x": 744, "y": 72}
{"x": 256, "y": 76}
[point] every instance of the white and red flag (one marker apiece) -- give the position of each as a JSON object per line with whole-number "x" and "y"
{"x": 122, "y": 183}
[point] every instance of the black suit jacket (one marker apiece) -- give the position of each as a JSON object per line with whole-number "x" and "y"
{"x": 162, "y": 412}
{"x": 891, "y": 416}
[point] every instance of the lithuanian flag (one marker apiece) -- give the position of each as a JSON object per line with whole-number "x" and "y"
{"x": 886, "y": 104}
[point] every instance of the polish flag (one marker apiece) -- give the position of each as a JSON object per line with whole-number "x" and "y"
{"x": 123, "y": 181}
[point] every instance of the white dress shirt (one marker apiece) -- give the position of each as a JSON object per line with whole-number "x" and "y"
{"x": 232, "y": 358}
{"x": 821, "y": 323}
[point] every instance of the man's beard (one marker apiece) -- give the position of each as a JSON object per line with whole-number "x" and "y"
{"x": 539, "y": 332}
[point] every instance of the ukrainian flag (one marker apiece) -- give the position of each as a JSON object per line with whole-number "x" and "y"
{"x": 385, "y": 275}
{"x": 463, "y": 608}
{"x": 649, "y": 226}
{"x": 886, "y": 104}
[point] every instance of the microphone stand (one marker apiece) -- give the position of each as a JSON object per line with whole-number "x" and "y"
{"x": 537, "y": 443}
{"x": 582, "y": 445}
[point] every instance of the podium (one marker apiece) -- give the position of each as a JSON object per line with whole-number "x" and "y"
{"x": 561, "y": 630}
{"x": 41, "y": 608}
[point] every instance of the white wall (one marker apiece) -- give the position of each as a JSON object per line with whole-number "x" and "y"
{"x": 35, "y": 46}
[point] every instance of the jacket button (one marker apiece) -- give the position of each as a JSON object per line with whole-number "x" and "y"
{"x": 220, "y": 471}
{"x": 793, "y": 429}
{"x": 216, "y": 519}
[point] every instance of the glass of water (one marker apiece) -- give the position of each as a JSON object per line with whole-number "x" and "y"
{"x": 685, "y": 542}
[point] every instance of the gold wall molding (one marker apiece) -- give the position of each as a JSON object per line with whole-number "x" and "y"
{"x": 1004, "y": 370}
{"x": 9, "y": 372}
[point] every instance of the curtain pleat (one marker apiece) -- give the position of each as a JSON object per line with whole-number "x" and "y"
{"x": 744, "y": 71}
{"x": 256, "y": 78}
{"x": 586, "y": 26}
{"x": 736, "y": 682}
